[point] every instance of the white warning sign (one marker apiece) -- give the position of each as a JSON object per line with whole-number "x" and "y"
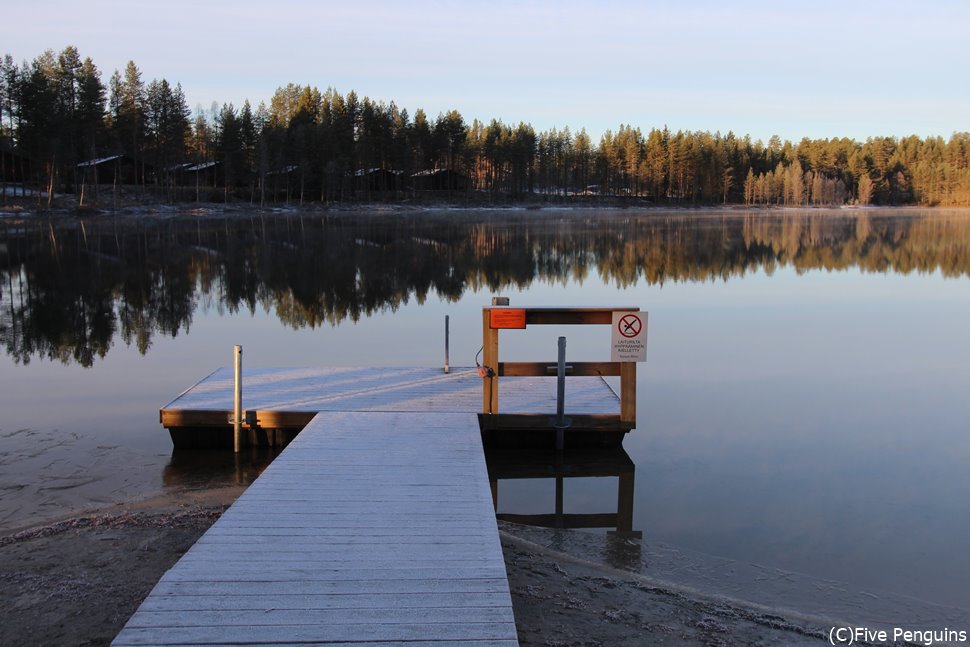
{"x": 629, "y": 343}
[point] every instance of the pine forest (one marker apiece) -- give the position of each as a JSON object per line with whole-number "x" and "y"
{"x": 63, "y": 130}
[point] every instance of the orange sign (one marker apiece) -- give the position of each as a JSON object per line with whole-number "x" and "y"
{"x": 506, "y": 318}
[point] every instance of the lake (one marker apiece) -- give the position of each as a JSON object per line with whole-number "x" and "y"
{"x": 803, "y": 408}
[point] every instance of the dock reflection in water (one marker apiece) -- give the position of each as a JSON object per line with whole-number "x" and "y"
{"x": 201, "y": 469}
{"x": 507, "y": 465}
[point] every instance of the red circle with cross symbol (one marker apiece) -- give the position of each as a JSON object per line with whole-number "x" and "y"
{"x": 630, "y": 325}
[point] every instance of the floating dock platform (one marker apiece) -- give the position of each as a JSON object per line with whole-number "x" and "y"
{"x": 279, "y": 402}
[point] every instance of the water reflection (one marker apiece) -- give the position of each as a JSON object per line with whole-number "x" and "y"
{"x": 69, "y": 289}
{"x": 504, "y": 465}
{"x": 207, "y": 469}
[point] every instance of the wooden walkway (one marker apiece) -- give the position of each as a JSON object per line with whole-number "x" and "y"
{"x": 372, "y": 527}
{"x": 375, "y": 525}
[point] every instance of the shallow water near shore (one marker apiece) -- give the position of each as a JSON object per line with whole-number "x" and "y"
{"x": 802, "y": 407}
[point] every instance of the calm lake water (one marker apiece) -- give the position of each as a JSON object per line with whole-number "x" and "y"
{"x": 804, "y": 405}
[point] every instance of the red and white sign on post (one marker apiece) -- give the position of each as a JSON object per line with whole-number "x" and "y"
{"x": 629, "y": 339}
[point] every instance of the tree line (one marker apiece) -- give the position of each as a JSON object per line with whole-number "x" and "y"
{"x": 310, "y": 145}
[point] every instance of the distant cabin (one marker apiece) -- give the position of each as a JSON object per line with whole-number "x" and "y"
{"x": 378, "y": 180}
{"x": 115, "y": 169}
{"x": 203, "y": 174}
{"x": 283, "y": 171}
{"x": 441, "y": 179}
{"x": 175, "y": 174}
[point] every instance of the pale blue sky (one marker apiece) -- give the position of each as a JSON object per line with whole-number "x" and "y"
{"x": 816, "y": 69}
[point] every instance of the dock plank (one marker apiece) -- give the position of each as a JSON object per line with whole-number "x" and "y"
{"x": 322, "y": 634}
{"x": 292, "y": 601}
{"x": 370, "y": 527}
{"x": 415, "y": 389}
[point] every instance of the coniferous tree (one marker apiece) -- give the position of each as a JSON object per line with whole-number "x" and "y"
{"x": 127, "y": 105}
{"x": 866, "y": 189}
{"x": 37, "y": 109}
{"x": 90, "y": 117}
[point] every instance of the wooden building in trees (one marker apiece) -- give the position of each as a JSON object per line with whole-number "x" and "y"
{"x": 378, "y": 180}
{"x": 115, "y": 169}
{"x": 279, "y": 183}
{"x": 202, "y": 174}
{"x": 440, "y": 179}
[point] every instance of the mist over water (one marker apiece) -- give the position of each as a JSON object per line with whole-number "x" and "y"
{"x": 803, "y": 407}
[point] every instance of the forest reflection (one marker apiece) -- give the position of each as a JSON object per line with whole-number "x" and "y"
{"x": 68, "y": 288}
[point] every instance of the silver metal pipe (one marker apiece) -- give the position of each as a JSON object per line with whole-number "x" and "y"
{"x": 237, "y": 398}
{"x": 446, "y": 344}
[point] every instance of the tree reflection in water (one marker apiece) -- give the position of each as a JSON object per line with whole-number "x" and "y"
{"x": 69, "y": 287}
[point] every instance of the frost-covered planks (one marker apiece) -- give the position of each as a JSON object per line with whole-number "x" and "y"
{"x": 418, "y": 389}
{"x": 370, "y": 527}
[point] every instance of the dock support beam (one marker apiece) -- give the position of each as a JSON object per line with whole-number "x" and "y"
{"x": 489, "y": 361}
{"x": 628, "y": 393}
{"x": 237, "y": 398}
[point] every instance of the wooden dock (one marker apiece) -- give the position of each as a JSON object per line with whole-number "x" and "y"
{"x": 372, "y": 527}
{"x": 279, "y": 402}
{"x": 376, "y": 524}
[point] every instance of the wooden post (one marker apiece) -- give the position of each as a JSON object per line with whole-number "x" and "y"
{"x": 237, "y": 399}
{"x": 628, "y": 393}
{"x": 489, "y": 361}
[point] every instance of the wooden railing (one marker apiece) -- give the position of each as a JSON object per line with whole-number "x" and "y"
{"x": 496, "y": 318}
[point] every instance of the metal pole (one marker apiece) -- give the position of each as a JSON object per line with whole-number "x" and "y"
{"x": 237, "y": 398}
{"x": 446, "y": 343}
{"x": 561, "y": 396}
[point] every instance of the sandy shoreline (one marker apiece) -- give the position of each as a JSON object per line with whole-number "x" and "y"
{"x": 77, "y": 581}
